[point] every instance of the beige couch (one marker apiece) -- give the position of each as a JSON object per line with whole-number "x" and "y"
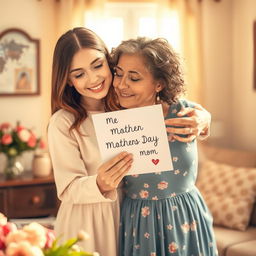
{"x": 232, "y": 242}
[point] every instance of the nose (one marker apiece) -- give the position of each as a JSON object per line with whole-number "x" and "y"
{"x": 122, "y": 82}
{"x": 93, "y": 77}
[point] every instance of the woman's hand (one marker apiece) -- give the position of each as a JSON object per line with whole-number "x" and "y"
{"x": 111, "y": 172}
{"x": 197, "y": 123}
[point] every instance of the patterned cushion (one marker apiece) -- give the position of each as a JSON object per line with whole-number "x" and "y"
{"x": 229, "y": 192}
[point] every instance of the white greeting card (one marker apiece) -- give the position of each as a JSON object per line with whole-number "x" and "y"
{"x": 140, "y": 131}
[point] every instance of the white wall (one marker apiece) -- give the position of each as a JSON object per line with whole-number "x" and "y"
{"x": 38, "y": 19}
{"x": 228, "y": 77}
{"x": 243, "y": 95}
{"x": 217, "y": 63}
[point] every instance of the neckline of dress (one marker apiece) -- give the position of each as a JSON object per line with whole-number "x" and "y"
{"x": 95, "y": 111}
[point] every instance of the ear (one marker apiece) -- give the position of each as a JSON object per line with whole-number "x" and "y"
{"x": 159, "y": 86}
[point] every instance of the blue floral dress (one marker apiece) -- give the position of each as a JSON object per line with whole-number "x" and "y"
{"x": 164, "y": 213}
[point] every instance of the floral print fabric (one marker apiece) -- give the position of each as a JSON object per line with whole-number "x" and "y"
{"x": 164, "y": 213}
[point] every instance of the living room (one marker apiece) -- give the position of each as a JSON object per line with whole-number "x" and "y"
{"x": 221, "y": 64}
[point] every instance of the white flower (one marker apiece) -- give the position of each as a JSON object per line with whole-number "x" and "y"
{"x": 24, "y": 135}
{"x": 82, "y": 235}
{"x": 3, "y": 219}
{"x": 23, "y": 248}
{"x": 76, "y": 248}
{"x": 36, "y": 234}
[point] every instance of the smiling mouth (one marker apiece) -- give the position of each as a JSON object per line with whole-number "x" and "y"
{"x": 97, "y": 88}
{"x": 125, "y": 95}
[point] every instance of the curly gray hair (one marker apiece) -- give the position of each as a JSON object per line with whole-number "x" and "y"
{"x": 160, "y": 59}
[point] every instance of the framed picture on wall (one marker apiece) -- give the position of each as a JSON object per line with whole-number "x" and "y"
{"x": 19, "y": 63}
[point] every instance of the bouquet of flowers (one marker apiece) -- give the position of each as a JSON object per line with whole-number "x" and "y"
{"x": 13, "y": 142}
{"x": 36, "y": 240}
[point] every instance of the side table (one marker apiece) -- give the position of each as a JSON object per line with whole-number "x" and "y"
{"x": 28, "y": 196}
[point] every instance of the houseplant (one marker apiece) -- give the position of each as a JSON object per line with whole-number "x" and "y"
{"x": 13, "y": 142}
{"x": 36, "y": 240}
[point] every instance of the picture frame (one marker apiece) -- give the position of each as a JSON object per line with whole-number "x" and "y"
{"x": 19, "y": 63}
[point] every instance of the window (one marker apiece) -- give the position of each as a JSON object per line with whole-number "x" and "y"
{"x": 121, "y": 21}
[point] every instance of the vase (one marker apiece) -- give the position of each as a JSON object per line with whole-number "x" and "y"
{"x": 13, "y": 168}
{"x": 41, "y": 165}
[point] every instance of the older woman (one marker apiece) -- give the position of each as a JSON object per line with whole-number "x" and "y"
{"x": 162, "y": 213}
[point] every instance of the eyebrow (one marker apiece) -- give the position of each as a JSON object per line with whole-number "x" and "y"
{"x": 130, "y": 71}
{"x": 77, "y": 69}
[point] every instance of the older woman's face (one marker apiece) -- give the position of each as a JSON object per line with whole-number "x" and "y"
{"x": 133, "y": 82}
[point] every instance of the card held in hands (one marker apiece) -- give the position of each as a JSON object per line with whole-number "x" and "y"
{"x": 140, "y": 131}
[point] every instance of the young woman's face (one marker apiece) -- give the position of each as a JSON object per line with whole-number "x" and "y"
{"x": 134, "y": 84}
{"x": 90, "y": 73}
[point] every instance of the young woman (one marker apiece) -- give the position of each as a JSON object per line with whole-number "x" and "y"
{"x": 81, "y": 78}
{"x": 162, "y": 213}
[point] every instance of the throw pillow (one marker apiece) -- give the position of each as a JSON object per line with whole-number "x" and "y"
{"x": 229, "y": 193}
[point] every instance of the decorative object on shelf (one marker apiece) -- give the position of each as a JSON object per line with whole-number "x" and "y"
{"x": 13, "y": 167}
{"x": 35, "y": 239}
{"x": 13, "y": 142}
{"x": 19, "y": 63}
{"x": 41, "y": 164}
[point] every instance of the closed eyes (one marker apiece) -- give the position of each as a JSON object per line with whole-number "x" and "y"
{"x": 131, "y": 76}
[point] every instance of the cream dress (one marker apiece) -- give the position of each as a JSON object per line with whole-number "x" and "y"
{"x": 75, "y": 160}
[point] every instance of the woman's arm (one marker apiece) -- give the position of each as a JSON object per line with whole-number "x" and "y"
{"x": 73, "y": 182}
{"x": 195, "y": 122}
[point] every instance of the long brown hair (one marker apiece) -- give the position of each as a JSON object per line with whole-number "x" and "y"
{"x": 64, "y": 96}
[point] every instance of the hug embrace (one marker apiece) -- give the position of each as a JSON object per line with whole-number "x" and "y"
{"x": 153, "y": 214}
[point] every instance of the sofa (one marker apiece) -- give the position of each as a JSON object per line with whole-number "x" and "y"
{"x": 232, "y": 206}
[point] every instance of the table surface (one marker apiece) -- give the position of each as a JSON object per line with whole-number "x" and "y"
{"x": 25, "y": 179}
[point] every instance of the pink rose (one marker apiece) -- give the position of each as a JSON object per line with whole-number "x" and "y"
{"x": 8, "y": 227}
{"x": 50, "y": 238}
{"x": 2, "y": 243}
{"x": 24, "y": 135}
{"x": 5, "y": 126}
{"x": 42, "y": 144}
{"x": 6, "y": 139}
{"x": 19, "y": 128}
{"x": 32, "y": 140}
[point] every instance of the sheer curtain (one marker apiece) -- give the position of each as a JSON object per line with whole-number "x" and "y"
{"x": 189, "y": 18}
{"x": 71, "y": 13}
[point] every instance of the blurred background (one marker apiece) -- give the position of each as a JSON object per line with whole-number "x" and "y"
{"x": 213, "y": 37}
